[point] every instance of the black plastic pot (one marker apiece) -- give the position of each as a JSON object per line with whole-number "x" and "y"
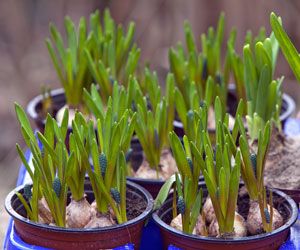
{"x": 93, "y": 238}
{"x": 151, "y": 185}
{"x": 293, "y": 193}
{"x": 266, "y": 241}
{"x": 35, "y": 106}
{"x": 288, "y": 107}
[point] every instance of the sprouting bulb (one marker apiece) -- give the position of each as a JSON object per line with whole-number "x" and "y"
{"x": 27, "y": 191}
{"x": 190, "y": 162}
{"x": 253, "y": 162}
{"x": 181, "y": 205}
{"x": 115, "y": 195}
{"x": 103, "y": 163}
{"x": 202, "y": 104}
{"x": 56, "y": 185}
{"x": 190, "y": 114}
{"x": 267, "y": 215}
{"x": 218, "y": 79}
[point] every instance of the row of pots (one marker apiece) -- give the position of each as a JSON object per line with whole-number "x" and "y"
{"x": 130, "y": 232}
{"x": 153, "y": 186}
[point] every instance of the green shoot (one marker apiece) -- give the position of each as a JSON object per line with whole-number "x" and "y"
{"x": 121, "y": 98}
{"x": 113, "y": 55}
{"x": 263, "y": 93}
{"x": 51, "y": 165}
{"x": 30, "y": 199}
{"x": 152, "y": 130}
{"x": 106, "y": 147}
{"x": 220, "y": 172}
{"x": 289, "y": 51}
{"x": 152, "y": 91}
{"x": 189, "y": 200}
{"x": 195, "y": 156}
{"x": 253, "y": 170}
{"x": 254, "y": 77}
{"x": 199, "y": 76}
{"x": 69, "y": 60}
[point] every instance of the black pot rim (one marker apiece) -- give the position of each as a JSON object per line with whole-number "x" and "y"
{"x": 146, "y": 181}
{"x": 287, "y": 225}
{"x": 136, "y": 220}
{"x": 31, "y": 106}
{"x": 291, "y": 106}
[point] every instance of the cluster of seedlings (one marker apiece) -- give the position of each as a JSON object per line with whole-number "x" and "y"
{"x": 108, "y": 102}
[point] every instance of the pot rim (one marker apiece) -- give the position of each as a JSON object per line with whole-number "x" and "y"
{"x": 287, "y": 225}
{"x": 146, "y": 181}
{"x": 136, "y": 220}
{"x": 31, "y": 106}
{"x": 291, "y": 106}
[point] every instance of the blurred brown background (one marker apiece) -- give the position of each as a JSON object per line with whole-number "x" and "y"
{"x": 25, "y": 65}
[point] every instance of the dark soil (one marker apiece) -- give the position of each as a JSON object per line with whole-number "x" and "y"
{"x": 135, "y": 205}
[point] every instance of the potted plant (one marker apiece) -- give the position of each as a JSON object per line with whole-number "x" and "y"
{"x": 149, "y": 158}
{"x": 264, "y": 103}
{"x": 221, "y": 220}
{"x": 200, "y": 76}
{"x": 258, "y": 51}
{"x": 283, "y": 147}
{"x": 97, "y": 212}
{"x": 158, "y": 163}
{"x": 101, "y": 54}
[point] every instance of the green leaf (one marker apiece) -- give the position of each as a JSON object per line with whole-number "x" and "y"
{"x": 247, "y": 170}
{"x": 72, "y": 40}
{"x": 93, "y": 105}
{"x": 179, "y": 155}
{"x": 262, "y": 91}
{"x": 24, "y": 161}
{"x": 164, "y": 191}
{"x": 250, "y": 77}
{"x": 181, "y": 107}
{"x": 290, "y": 52}
{"x": 233, "y": 194}
{"x": 24, "y": 122}
{"x": 195, "y": 211}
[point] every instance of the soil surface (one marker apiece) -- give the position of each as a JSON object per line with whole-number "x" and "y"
{"x": 135, "y": 205}
{"x": 167, "y": 167}
{"x": 282, "y": 168}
